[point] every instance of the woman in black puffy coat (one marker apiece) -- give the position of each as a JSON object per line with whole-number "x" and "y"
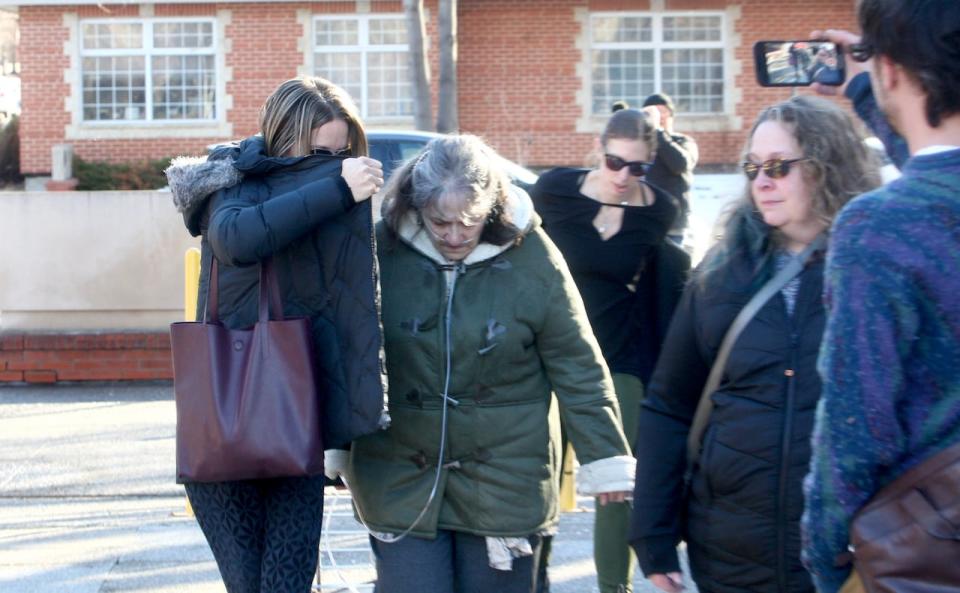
{"x": 741, "y": 516}
{"x": 298, "y": 192}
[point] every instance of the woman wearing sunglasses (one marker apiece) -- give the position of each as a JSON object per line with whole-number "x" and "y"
{"x": 298, "y": 192}
{"x": 611, "y": 227}
{"x": 740, "y": 517}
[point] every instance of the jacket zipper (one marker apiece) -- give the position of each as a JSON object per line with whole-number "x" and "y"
{"x": 786, "y": 437}
{"x": 451, "y": 274}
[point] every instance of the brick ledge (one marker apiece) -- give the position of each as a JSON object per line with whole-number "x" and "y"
{"x": 106, "y": 356}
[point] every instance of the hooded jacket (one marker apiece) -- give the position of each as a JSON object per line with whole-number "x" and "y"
{"x": 247, "y": 206}
{"x": 495, "y": 333}
{"x": 741, "y": 518}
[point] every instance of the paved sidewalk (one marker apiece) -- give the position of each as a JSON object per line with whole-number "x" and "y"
{"x": 88, "y": 503}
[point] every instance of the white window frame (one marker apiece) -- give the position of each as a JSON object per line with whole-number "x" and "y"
{"x": 148, "y": 51}
{"x": 364, "y": 47}
{"x": 657, "y": 45}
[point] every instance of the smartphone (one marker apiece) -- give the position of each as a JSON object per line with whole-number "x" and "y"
{"x": 798, "y": 63}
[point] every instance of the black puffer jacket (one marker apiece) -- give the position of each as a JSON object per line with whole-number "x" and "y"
{"x": 742, "y": 517}
{"x": 248, "y": 206}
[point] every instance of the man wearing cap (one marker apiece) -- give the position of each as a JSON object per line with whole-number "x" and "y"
{"x": 677, "y": 155}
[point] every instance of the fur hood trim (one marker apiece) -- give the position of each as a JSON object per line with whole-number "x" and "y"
{"x": 193, "y": 179}
{"x": 519, "y": 205}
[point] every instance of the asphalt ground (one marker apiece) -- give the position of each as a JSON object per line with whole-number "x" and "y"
{"x": 88, "y": 503}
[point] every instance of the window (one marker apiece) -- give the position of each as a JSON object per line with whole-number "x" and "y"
{"x": 148, "y": 70}
{"x": 367, "y": 56}
{"x": 635, "y": 54}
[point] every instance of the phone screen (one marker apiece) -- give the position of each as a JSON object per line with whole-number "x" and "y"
{"x": 798, "y": 63}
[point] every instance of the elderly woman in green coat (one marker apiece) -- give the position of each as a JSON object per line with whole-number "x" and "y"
{"x": 487, "y": 346}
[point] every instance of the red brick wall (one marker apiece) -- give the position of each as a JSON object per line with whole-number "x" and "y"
{"x": 770, "y": 19}
{"x": 43, "y": 93}
{"x": 37, "y": 358}
{"x": 518, "y": 79}
{"x": 519, "y": 83}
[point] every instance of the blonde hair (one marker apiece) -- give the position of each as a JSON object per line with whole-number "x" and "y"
{"x": 299, "y": 106}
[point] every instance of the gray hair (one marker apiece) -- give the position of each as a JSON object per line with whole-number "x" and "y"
{"x": 300, "y": 105}
{"x": 453, "y": 166}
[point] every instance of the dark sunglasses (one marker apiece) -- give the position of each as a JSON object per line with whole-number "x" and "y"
{"x": 860, "y": 52}
{"x": 327, "y": 152}
{"x": 615, "y": 163}
{"x": 774, "y": 168}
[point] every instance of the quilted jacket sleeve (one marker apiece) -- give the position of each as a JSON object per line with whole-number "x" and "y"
{"x": 664, "y": 422}
{"x": 244, "y": 228}
{"x": 576, "y": 370}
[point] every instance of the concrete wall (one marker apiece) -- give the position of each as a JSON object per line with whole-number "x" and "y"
{"x": 91, "y": 261}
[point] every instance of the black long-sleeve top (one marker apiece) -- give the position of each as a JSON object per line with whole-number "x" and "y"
{"x": 609, "y": 273}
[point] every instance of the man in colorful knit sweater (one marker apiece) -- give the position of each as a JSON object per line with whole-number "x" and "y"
{"x": 891, "y": 353}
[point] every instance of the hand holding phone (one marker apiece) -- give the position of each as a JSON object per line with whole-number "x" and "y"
{"x": 843, "y": 39}
{"x": 798, "y": 63}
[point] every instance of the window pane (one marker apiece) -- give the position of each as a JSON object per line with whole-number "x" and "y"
{"x": 696, "y": 82}
{"x": 183, "y": 87}
{"x": 388, "y": 31}
{"x": 388, "y": 84}
{"x": 109, "y": 88}
{"x": 183, "y": 35}
{"x": 112, "y": 36}
{"x": 336, "y": 32}
{"x": 621, "y": 74}
{"x": 342, "y": 69}
{"x": 379, "y": 60}
{"x": 617, "y": 29}
{"x": 691, "y": 28}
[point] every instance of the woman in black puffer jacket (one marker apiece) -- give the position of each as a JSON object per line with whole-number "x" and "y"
{"x": 299, "y": 193}
{"x": 741, "y": 518}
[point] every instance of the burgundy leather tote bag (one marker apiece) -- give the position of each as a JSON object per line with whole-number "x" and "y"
{"x": 247, "y": 401}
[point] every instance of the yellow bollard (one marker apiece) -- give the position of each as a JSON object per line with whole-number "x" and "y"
{"x": 568, "y": 486}
{"x": 191, "y": 288}
{"x": 191, "y": 283}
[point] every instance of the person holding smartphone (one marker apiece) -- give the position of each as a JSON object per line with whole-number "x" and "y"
{"x": 892, "y": 341}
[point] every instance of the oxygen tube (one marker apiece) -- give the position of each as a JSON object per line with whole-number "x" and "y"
{"x": 453, "y": 272}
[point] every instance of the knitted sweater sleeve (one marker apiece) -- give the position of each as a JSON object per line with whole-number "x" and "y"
{"x": 860, "y": 94}
{"x": 872, "y": 323}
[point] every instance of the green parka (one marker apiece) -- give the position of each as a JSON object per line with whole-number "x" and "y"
{"x": 499, "y": 331}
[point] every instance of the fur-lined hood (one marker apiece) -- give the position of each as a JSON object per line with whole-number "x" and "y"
{"x": 193, "y": 179}
{"x": 518, "y": 204}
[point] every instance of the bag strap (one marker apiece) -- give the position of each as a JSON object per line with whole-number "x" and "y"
{"x": 269, "y": 292}
{"x": 213, "y": 291}
{"x": 772, "y": 287}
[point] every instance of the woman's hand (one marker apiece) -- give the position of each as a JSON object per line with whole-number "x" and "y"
{"x": 606, "y": 497}
{"x": 364, "y": 175}
{"x": 672, "y": 582}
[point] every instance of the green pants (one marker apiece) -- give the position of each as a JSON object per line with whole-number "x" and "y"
{"x": 612, "y": 554}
